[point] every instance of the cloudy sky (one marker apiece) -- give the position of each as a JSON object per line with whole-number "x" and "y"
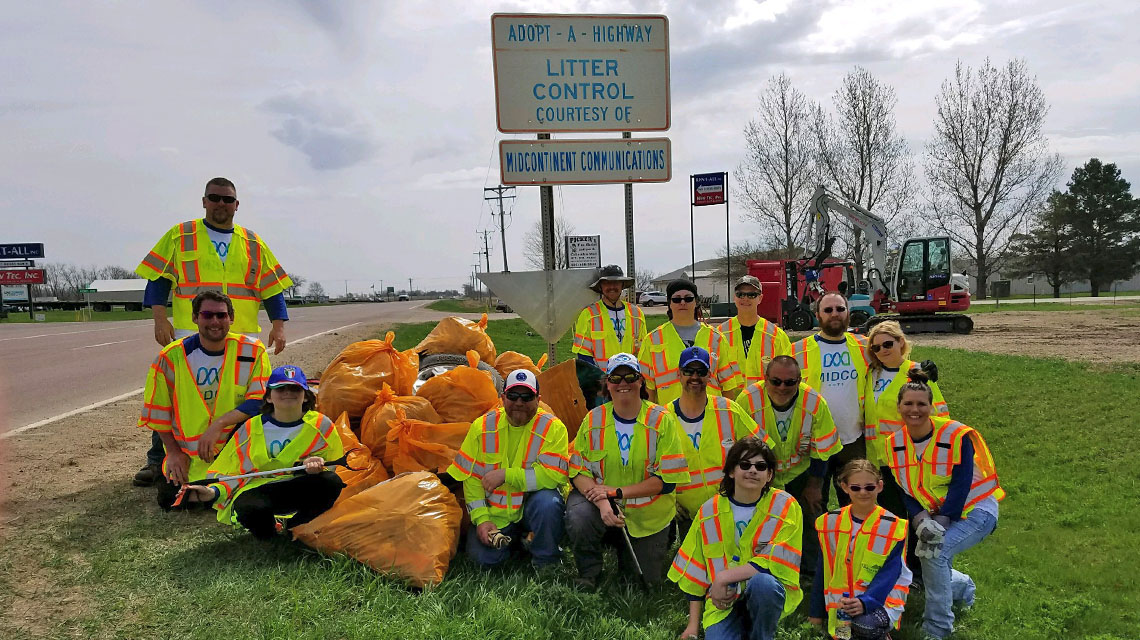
{"x": 361, "y": 134}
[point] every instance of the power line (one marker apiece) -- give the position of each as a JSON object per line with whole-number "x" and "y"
{"x": 500, "y": 193}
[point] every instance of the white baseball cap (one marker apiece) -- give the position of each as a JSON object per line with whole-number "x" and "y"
{"x": 623, "y": 360}
{"x": 521, "y": 378}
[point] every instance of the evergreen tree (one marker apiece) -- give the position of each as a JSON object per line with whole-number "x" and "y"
{"x": 1103, "y": 220}
{"x": 1047, "y": 248}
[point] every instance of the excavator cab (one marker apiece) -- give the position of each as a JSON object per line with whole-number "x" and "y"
{"x": 924, "y": 282}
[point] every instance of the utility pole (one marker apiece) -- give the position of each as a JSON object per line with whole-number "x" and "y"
{"x": 500, "y": 193}
{"x": 409, "y": 288}
{"x": 487, "y": 250}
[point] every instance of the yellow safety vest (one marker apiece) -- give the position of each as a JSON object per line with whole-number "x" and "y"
{"x": 815, "y": 437}
{"x": 768, "y": 341}
{"x": 172, "y": 402}
{"x": 772, "y": 540}
{"x": 492, "y": 443}
{"x": 659, "y": 356}
{"x": 874, "y": 541}
{"x": 724, "y": 423}
{"x": 246, "y": 453}
{"x": 881, "y": 417}
{"x": 594, "y": 333}
{"x": 186, "y": 257}
{"x": 927, "y": 479}
{"x": 655, "y": 450}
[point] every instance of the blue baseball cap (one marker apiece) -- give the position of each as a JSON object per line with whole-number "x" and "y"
{"x": 694, "y": 354}
{"x": 287, "y": 375}
{"x": 623, "y": 360}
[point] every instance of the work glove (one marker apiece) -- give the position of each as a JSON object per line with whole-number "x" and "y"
{"x": 930, "y": 369}
{"x": 930, "y": 534}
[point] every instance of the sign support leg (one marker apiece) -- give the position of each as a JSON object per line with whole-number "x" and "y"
{"x": 629, "y": 261}
{"x": 727, "y": 239}
{"x": 692, "y": 236}
{"x": 546, "y": 193}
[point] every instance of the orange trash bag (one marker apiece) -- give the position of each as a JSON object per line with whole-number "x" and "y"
{"x": 351, "y": 380}
{"x": 462, "y": 394}
{"x": 407, "y": 527}
{"x": 509, "y": 361}
{"x": 374, "y": 424}
{"x": 414, "y": 445}
{"x": 459, "y": 335}
{"x": 367, "y": 469}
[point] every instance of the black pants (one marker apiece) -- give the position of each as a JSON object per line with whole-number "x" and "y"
{"x": 589, "y": 536}
{"x": 810, "y": 542}
{"x": 306, "y": 496}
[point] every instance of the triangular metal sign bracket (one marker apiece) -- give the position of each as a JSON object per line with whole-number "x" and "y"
{"x": 549, "y": 301}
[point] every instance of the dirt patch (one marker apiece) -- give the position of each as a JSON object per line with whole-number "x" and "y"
{"x": 1099, "y": 336}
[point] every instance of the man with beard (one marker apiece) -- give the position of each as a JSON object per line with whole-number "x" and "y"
{"x": 609, "y": 326}
{"x": 834, "y": 362}
{"x": 211, "y": 254}
{"x": 513, "y": 464}
{"x": 203, "y": 384}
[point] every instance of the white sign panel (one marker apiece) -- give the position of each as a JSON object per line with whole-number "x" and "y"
{"x": 583, "y": 252}
{"x": 523, "y": 162}
{"x": 557, "y": 72}
{"x": 14, "y": 293}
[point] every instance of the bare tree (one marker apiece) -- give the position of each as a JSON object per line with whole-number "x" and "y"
{"x": 316, "y": 290}
{"x": 298, "y": 282}
{"x": 988, "y": 163}
{"x": 532, "y": 243}
{"x": 864, "y": 157}
{"x": 777, "y": 175}
{"x": 115, "y": 272}
{"x": 645, "y": 278}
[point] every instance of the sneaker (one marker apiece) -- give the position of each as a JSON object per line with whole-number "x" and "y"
{"x": 147, "y": 476}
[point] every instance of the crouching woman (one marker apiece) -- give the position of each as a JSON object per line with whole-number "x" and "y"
{"x": 742, "y": 552}
{"x": 287, "y": 433}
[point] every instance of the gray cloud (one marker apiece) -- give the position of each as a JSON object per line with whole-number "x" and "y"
{"x": 328, "y": 131}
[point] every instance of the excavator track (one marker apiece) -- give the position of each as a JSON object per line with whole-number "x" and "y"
{"x": 925, "y": 322}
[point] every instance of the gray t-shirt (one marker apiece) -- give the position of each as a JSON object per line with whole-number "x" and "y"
{"x": 688, "y": 334}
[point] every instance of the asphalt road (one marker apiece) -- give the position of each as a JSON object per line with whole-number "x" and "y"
{"x": 53, "y": 368}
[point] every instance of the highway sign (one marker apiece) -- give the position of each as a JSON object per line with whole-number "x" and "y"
{"x": 559, "y": 72}
{"x": 619, "y": 160}
{"x": 22, "y": 276}
{"x": 88, "y": 291}
{"x": 708, "y": 188}
{"x": 22, "y": 250}
{"x": 14, "y": 293}
{"x": 9, "y": 264}
{"x": 583, "y": 252}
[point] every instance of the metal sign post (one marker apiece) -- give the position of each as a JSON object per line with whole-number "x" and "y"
{"x": 630, "y": 271}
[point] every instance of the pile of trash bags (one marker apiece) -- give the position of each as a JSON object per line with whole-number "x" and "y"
{"x": 404, "y": 415}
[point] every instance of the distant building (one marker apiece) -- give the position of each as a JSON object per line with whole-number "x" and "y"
{"x": 108, "y": 293}
{"x": 709, "y": 278}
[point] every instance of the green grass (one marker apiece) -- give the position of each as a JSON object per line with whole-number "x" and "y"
{"x": 1050, "y": 306}
{"x": 1058, "y": 566}
{"x": 78, "y": 316}
{"x": 459, "y": 306}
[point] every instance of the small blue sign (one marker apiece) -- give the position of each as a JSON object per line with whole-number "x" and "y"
{"x": 708, "y": 188}
{"x": 22, "y": 250}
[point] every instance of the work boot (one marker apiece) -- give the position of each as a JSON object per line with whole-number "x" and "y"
{"x": 147, "y": 476}
{"x": 589, "y": 585}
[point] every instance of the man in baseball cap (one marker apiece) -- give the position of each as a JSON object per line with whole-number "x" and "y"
{"x": 752, "y": 340}
{"x": 608, "y": 326}
{"x": 513, "y": 464}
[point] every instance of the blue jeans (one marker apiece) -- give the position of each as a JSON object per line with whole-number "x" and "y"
{"x": 946, "y": 585}
{"x": 756, "y": 613}
{"x": 542, "y": 515}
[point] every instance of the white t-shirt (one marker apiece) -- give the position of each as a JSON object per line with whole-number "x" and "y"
{"x": 617, "y": 319}
{"x": 883, "y": 379}
{"x": 839, "y": 384}
{"x": 205, "y": 367}
{"x": 741, "y": 516}
{"x": 221, "y": 241}
{"x": 784, "y": 420}
{"x": 278, "y": 436}
{"x": 624, "y": 436}
{"x": 692, "y": 427}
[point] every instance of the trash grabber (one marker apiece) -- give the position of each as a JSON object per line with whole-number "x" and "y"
{"x": 613, "y": 498}
{"x": 339, "y": 462}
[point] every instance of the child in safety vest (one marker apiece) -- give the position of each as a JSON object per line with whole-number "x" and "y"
{"x": 287, "y": 433}
{"x": 860, "y": 572}
{"x": 742, "y": 553}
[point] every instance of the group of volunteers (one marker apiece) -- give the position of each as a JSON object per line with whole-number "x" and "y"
{"x": 725, "y": 436}
{"x": 728, "y": 439}
{"x": 215, "y": 407}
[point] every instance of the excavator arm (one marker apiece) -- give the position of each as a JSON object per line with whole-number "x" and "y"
{"x": 874, "y": 228}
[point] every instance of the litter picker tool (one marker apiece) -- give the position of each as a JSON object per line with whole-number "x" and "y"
{"x": 613, "y": 497}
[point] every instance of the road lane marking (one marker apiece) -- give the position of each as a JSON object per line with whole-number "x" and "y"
{"x": 61, "y": 333}
{"x": 103, "y": 344}
{"x": 101, "y": 403}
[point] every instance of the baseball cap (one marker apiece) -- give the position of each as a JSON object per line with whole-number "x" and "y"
{"x": 287, "y": 375}
{"x": 694, "y": 354}
{"x": 623, "y": 360}
{"x": 521, "y": 378}
{"x": 751, "y": 280}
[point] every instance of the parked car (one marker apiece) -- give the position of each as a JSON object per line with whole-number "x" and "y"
{"x": 650, "y": 298}
{"x": 503, "y": 307}
{"x": 403, "y": 298}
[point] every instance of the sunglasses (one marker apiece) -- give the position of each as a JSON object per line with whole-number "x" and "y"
{"x": 885, "y": 344}
{"x": 618, "y": 378}
{"x": 747, "y": 294}
{"x": 695, "y": 372}
{"x": 515, "y": 396}
{"x": 777, "y": 382}
{"x": 680, "y": 299}
{"x": 213, "y": 197}
{"x": 213, "y": 315}
{"x": 862, "y": 487}
{"x": 833, "y": 309}
{"x": 745, "y": 465}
